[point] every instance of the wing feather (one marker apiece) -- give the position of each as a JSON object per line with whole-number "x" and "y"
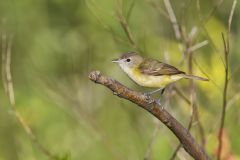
{"x": 156, "y": 68}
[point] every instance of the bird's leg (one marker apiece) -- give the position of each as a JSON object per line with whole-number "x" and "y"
{"x": 148, "y": 94}
{"x": 160, "y": 89}
{"x": 159, "y": 101}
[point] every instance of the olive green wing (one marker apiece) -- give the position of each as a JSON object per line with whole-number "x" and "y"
{"x": 156, "y": 68}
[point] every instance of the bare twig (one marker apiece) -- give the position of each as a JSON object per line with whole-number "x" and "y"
{"x": 199, "y": 9}
{"x": 8, "y": 84}
{"x": 220, "y": 133}
{"x": 231, "y": 16}
{"x": 130, "y": 10}
{"x": 149, "y": 104}
{"x": 173, "y": 19}
{"x": 106, "y": 27}
{"x": 198, "y": 45}
{"x": 224, "y": 105}
{"x": 124, "y": 24}
{"x": 193, "y": 33}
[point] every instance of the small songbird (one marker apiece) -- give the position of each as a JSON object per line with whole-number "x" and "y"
{"x": 150, "y": 72}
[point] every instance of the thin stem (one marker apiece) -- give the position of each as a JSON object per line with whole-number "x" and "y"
{"x": 226, "y": 80}
{"x": 124, "y": 24}
{"x": 8, "y": 84}
{"x": 224, "y": 103}
{"x": 173, "y": 19}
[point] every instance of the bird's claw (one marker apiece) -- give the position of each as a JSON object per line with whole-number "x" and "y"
{"x": 148, "y": 97}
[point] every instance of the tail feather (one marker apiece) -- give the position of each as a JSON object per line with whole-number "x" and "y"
{"x": 194, "y": 77}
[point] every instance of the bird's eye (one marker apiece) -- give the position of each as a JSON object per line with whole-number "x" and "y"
{"x": 128, "y": 60}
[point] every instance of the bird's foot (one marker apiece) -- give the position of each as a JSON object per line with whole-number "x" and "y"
{"x": 148, "y": 97}
{"x": 158, "y": 102}
{"x": 157, "y": 90}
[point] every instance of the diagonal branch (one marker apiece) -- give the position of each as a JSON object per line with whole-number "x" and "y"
{"x": 149, "y": 104}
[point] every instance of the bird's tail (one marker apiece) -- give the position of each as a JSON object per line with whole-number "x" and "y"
{"x": 194, "y": 77}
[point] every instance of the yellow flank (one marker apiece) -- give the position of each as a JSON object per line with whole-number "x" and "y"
{"x": 149, "y": 80}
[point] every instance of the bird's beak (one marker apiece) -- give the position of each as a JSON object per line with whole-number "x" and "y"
{"x": 115, "y": 60}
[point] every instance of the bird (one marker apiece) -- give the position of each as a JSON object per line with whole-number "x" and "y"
{"x": 151, "y": 73}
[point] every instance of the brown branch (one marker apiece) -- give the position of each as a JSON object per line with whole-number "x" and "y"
{"x": 226, "y": 80}
{"x": 149, "y": 104}
{"x": 8, "y": 85}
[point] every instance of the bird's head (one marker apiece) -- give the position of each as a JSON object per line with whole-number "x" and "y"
{"x": 129, "y": 60}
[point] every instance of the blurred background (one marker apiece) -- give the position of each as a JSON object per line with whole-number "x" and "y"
{"x": 56, "y": 43}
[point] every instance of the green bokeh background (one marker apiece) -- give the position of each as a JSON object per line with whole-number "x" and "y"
{"x": 56, "y": 43}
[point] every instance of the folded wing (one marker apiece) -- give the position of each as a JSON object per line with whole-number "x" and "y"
{"x": 156, "y": 68}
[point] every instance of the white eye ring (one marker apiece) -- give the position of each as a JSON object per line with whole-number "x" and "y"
{"x": 128, "y": 60}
